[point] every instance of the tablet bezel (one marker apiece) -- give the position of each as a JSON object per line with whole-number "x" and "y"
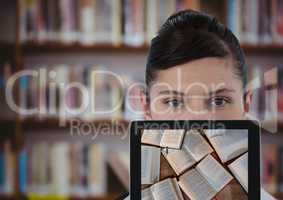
{"x": 253, "y": 148}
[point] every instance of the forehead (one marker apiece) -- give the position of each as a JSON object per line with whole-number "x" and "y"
{"x": 198, "y": 76}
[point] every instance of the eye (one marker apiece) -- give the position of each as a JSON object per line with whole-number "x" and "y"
{"x": 174, "y": 103}
{"x": 219, "y": 101}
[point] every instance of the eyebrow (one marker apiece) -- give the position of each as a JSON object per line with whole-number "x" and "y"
{"x": 174, "y": 92}
{"x": 221, "y": 90}
{"x": 211, "y": 93}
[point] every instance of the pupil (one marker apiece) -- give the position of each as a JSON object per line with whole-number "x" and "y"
{"x": 218, "y": 102}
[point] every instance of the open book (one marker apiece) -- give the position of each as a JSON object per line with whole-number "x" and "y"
{"x": 228, "y": 143}
{"x": 194, "y": 148}
{"x": 240, "y": 170}
{"x": 167, "y": 189}
{"x": 171, "y": 138}
{"x": 206, "y": 180}
{"x": 150, "y": 164}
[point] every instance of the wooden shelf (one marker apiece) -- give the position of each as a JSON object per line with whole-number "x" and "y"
{"x": 108, "y": 197}
{"x": 263, "y": 48}
{"x": 25, "y": 197}
{"x": 53, "y": 47}
{"x": 54, "y": 123}
{"x": 7, "y": 197}
{"x": 7, "y": 127}
{"x": 5, "y": 46}
{"x": 56, "y": 47}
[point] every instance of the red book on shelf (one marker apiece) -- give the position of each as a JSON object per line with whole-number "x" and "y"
{"x": 280, "y": 182}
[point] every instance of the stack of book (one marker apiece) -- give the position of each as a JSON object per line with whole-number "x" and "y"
{"x": 63, "y": 169}
{"x": 256, "y": 21}
{"x": 194, "y": 164}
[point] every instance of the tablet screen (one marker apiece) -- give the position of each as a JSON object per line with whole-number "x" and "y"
{"x": 194, "y": 163}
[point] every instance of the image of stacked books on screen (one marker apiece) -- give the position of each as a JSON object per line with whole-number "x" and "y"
{"x": 194, "y": 164}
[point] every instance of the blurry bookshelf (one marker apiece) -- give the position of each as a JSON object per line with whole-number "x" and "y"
{"x": 74, "y": 38}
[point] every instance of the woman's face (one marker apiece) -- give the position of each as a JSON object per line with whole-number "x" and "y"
{"x": 204, "y": 89}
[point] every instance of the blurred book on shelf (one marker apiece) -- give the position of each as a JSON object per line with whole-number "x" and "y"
{"x": 272, "y": 168}
{"x": 5, "y": 73}
{"x": 85, "y": 21}
{"x": 61, "y": 169}
{"x": 7, "y": 167}
{"x": 266, "y": 91}
{"x": 280, "y": 92}
{"x": 91, "y": 22}
{"x": 84, "y": 92}
{"x": 120, "y": 164}
{"x": 256, "y": 21}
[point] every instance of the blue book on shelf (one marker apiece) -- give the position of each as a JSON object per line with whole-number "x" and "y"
{"x": 24, "y": 82}
{"x": 2, "y": 82}
{"x": 2, "y": 172}
{"x": 232, "y": 12}
{"x": 23, "y": 171}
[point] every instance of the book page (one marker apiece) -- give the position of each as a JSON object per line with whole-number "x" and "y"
{"x": 150, "y": 164}
{"x": 166, "y": 190}
{"x": 179, "y": 160}
{"x": 228, "y": 143}
{"x": 196, "y": 145}
{"x": 151, "y": 136}
{"x": 240, "y": 170}
{"x": 155, "y": 173}
{"x": 172, "y": 138}
{"x": 177, "y": 188}
{"x": 214, "y": 173}
{"x": 146, "y": 194}
{"x": 195, "y": 186}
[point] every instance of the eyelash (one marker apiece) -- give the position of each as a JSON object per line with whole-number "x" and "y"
{"x": 168, "y": 101}
{"x": 209, "y": 102}
{"x": 226, "y": 99}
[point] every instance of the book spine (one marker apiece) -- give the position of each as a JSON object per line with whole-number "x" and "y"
{"x": 233, "y": 17}
{"x": 23, "y": 21}
{"x": 23, "y": 172}
{"x": 41, "y": 34}
{"x": 67, "y": 11}
{"x": 2, "y": 171}
{"x": 60, "y": 169}
{"x": 152, "y": 16}
{"x": 85, "y": 162}
{"x": 265, "y": 23}
{"x": 97, "y": 174}
{"x": 24, "y": 82}
{"x": 134, "y": 22}
{"x": 87, "y": 22}
{"x": 280, "y": 182}
{"x": 270, "y": 172}
{"x": 116, "y": 22}
{"x": 277, "y": 8}
{"x": 31, "y": 7}
{"x": 9, "y": 166}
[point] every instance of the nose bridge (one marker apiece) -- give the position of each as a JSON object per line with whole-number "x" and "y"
{"x": 196, "y": 109}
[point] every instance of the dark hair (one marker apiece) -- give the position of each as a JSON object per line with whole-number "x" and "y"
{"x": 189, "y": 35}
